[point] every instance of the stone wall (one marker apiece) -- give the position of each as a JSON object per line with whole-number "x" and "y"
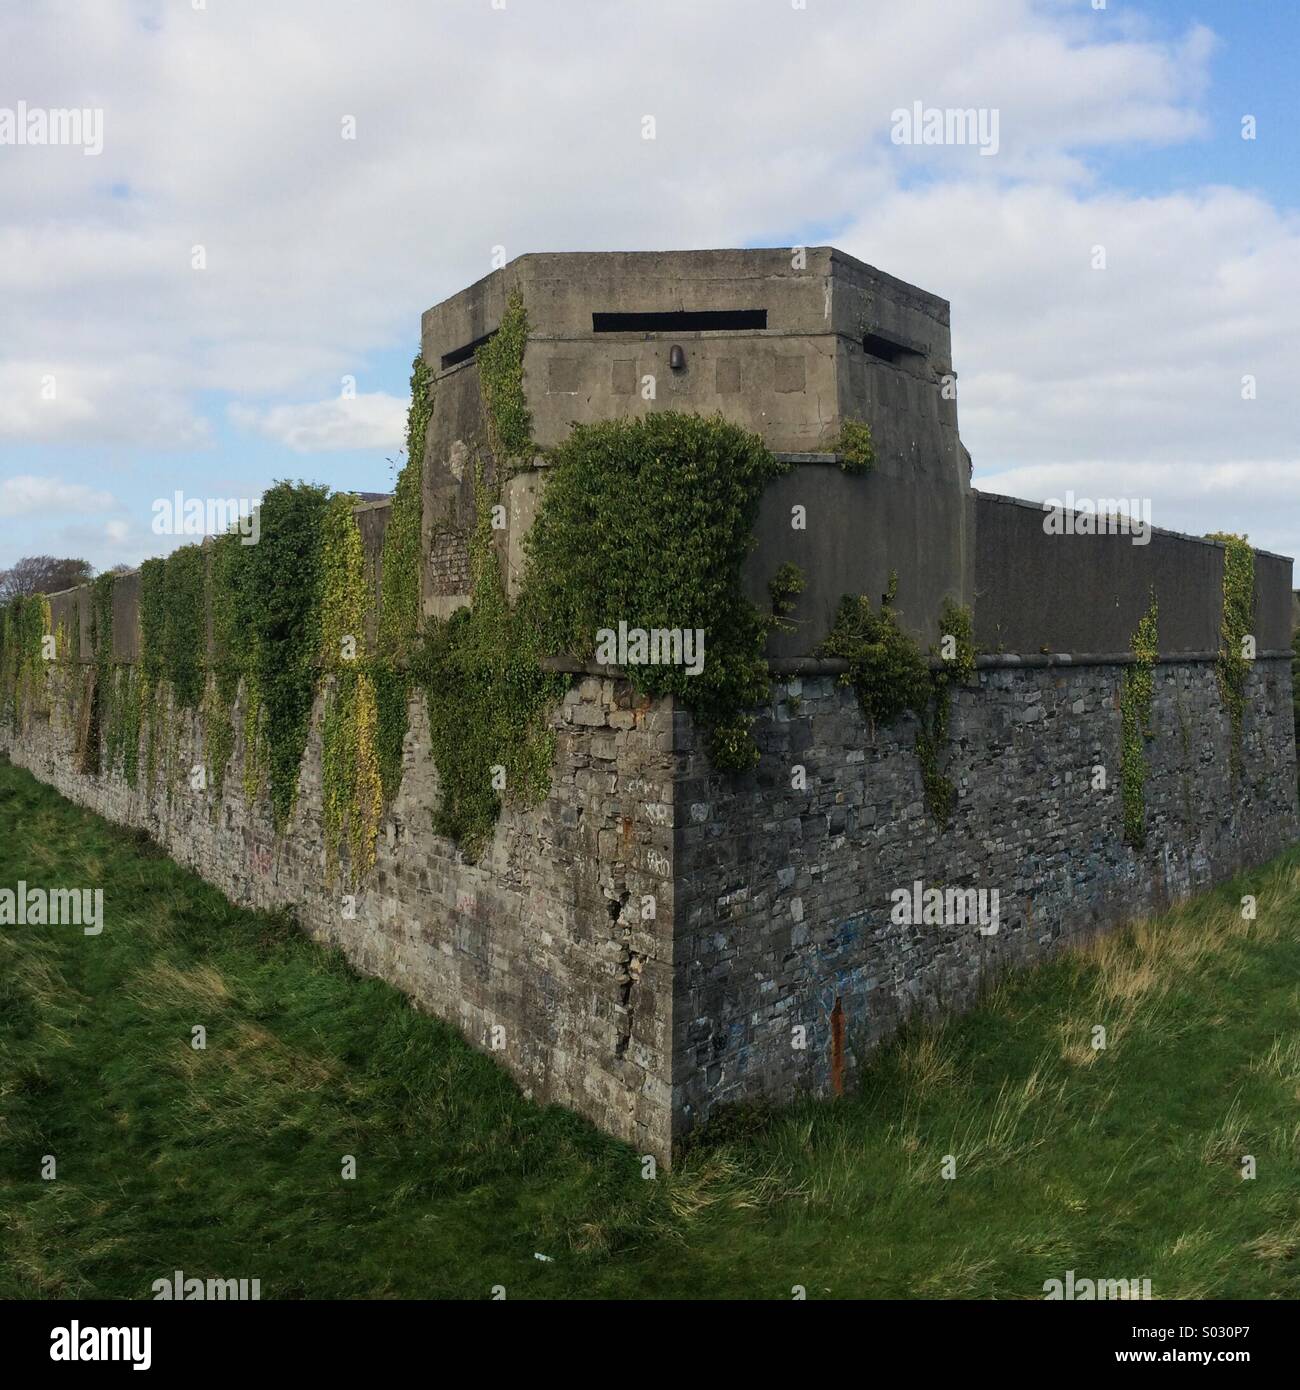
{"x": 546, "y": 939}
{"x": 770, "y": 906}
{"x": 783, "y": 898}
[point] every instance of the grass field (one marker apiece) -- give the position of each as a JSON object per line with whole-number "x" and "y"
{"x": 1122, "y": 1163}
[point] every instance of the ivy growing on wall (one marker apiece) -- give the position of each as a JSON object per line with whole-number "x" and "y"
{"x": 956, "y": 649}
{"x": 644, "y": 526}
{"x": 101, "y": 691}
{"x": 643, "y": 522}
{"x": 24, "y": 623}
{"x": 153, "y": 620}
{"x": 399, "y": 614}
{"x": 886, "y": 666}
{"x": 284, "y": 575}
{"x": 783, "y": 589}
{"x": 185, "y": 625}
{"x": 855, "y": 448}
{"x": 648, "y": 522}
{"x": 487, "y": 697}
{"x": 1295, "y": 690}
{"x": 225, "y": 667}
{"x": 1136, "y": 692}
{"x": 1233, "y": 666}
{"x": 351, "y": 789}
{"x": 892, "y": 676}
{"x": 501, "y": 382}
{"x": 122, "y": 733}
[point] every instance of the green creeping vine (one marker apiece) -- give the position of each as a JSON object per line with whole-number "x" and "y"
{"x": 1295, "y": 691}
{"x": 783, "y": 588}
{"x": 1233, "y": 666}
{"x": 122, "y": 730}
{"x": 185, "y": 625}
{"x": 1136, "y": 692}
{"x": 173, "y": 625}
{"x": 24, "y": 624}
{"x": 399, "y": 613}
{"x": 352, "y": 793}
{"x": 480, "y": 669}
{"x": 284, "y": 578}
{"x": 101, "y": 690}
{"x": 229, "y": 664}
{"x": 487, "y": 698}
{"x": 643, "y": 522}
{"x": 647, "y": 522}
{"x": 501, "y": 383}
{"x": 892, "y": 676}
{"x": 855, "y": 448}
{"x": 886, "y": 667}
{"x": 153, "y": 619}
{"x": 957, "y": 649}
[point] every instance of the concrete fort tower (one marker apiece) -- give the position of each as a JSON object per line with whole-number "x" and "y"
{"x": 789, "y": 344}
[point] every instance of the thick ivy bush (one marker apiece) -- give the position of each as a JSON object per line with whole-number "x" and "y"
{"x": 487, "y": 698}
{"x": 185, "y": 625}
{"x": 648, "y": 522}
{"x": 352, "y": 791}
{"x": 284, "y": 573}
{"x": 24, "y": 623}
{"x": 855, "y": 447}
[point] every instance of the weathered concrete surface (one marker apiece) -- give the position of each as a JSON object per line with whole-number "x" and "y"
{"x": 859, "y": 531}
{"x": 842, "y": 341}
{"x": 1066, "y": 593}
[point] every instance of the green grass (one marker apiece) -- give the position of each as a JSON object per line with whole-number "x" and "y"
{"x": 226, "y": 1162}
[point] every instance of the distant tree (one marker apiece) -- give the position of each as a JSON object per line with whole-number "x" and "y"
{"x": 43, "y": 574}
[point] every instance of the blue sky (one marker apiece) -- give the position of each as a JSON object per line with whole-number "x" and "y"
{"x": 479, "y": 127}
{"x": 1252, "y": 69}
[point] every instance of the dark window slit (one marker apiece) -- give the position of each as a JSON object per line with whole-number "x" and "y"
{"x": 886, "y": 349}
{"x": 461, "y": 354}
{"x": 681, "y": 321}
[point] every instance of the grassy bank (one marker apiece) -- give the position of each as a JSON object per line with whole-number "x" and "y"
{"x": 225, "y": 1162}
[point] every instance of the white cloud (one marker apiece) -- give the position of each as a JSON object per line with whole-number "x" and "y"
{"x": 372, "y": 420}
{"x": 29, "y": 495}
{"x": 222, "y": 129}
{"x": 130, "y": 401}
{"x": 1118, "y": 382}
